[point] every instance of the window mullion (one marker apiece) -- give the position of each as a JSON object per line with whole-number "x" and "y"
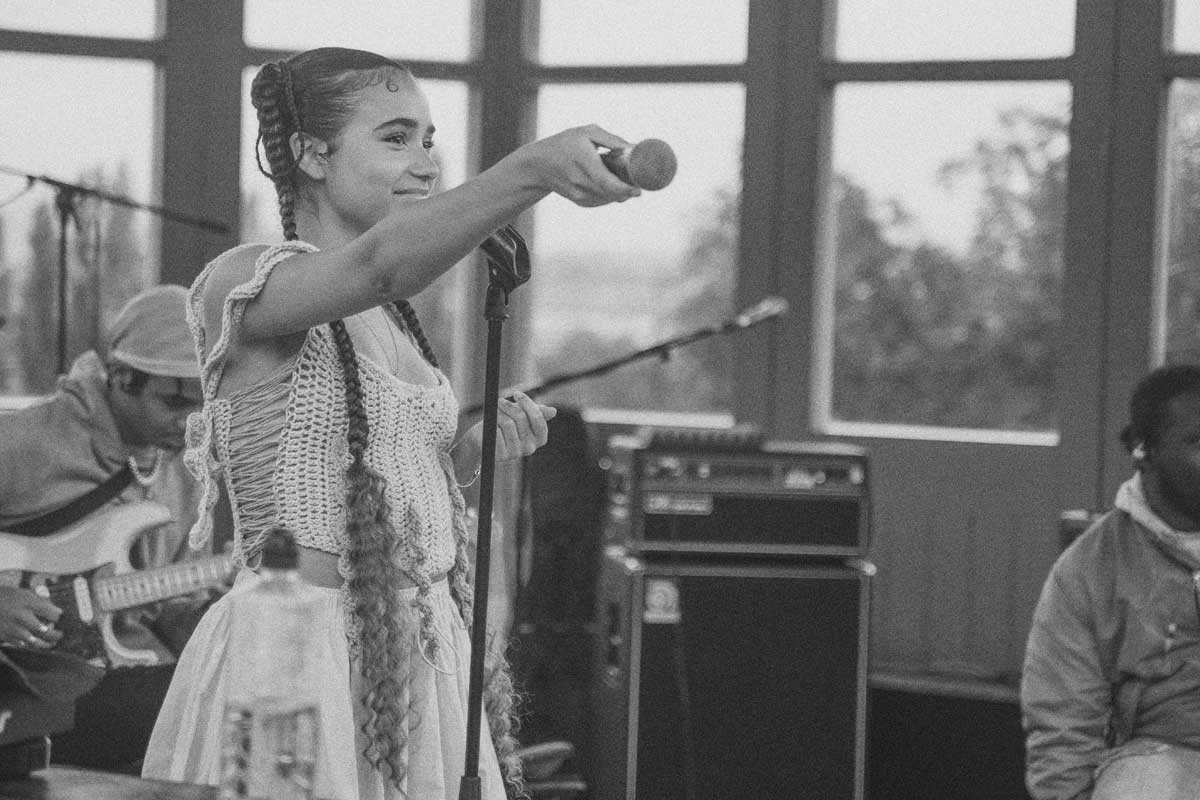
{"x": 1139, "y": 97}
{"x": 201, "y": 91}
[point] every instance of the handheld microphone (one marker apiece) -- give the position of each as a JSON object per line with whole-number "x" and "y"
{"x": 763, "y": 310}
{"x": 649, "y": 164}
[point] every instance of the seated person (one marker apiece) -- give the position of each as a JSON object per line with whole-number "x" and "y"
{"x": 111, "y": 433}
{"x": 1110, "y": 691}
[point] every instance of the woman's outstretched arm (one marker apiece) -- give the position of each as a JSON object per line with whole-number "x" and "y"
{"x": 418, "y": 241}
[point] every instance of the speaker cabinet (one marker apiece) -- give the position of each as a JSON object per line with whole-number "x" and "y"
{"x": 715, "y": 681}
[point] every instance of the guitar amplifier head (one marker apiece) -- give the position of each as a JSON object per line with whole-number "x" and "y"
{"x": 761, "y": 498}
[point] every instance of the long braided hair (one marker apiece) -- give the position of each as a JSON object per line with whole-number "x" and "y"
{"x": 313, "y": 94}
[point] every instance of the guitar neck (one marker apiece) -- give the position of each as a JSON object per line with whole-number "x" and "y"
{"x": 131, "y": 589}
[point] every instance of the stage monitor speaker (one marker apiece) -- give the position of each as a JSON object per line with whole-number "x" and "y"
{"x": 713, "y": 493}
{"x": 738, "y": 680}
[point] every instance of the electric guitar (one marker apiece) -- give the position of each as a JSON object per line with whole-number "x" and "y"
{"x": 85, "y": 571}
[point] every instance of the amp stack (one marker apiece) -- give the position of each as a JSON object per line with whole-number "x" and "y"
{"x": 732, "y": 605}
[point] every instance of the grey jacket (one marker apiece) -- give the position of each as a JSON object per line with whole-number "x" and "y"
{"x": 66, "y": 443}
{"x": 1114, "y": 650}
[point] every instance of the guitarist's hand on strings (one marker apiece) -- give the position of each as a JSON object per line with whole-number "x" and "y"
{"x": 27, "y": 619}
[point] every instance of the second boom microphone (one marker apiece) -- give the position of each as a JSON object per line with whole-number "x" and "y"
{"x": 649, "y": 164}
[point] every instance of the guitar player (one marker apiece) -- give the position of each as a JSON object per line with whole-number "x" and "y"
{"x": 111, "y": 433}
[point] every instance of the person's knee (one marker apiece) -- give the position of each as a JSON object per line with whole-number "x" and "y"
{"x": 1148, "y": 770}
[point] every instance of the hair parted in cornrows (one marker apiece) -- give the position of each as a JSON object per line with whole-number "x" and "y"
{"x": 313, "y": 94}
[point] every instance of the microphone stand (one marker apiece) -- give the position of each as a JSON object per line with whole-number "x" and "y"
{"x": 768, "y": 308}
{"x": 508, "y": 267}
{"x": 66, "y": 198}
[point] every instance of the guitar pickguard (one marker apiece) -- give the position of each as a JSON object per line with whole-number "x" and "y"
{"x": 95, "y": 547}
{"x": 80, "y": 622}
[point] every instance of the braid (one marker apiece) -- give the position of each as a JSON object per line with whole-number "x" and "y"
{"x": 272, "y": 96}
{"x": 289, "y": 95}
{"x": 403, "y": 312}
{"x": 375, "y": 582}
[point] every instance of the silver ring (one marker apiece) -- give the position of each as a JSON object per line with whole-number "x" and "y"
{"x": 44, "y": 627}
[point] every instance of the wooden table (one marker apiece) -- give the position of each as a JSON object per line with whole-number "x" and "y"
{"x": 70, "y": 783}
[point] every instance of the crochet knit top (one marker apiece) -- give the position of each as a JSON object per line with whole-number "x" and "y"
{"x": 280, "y": 446}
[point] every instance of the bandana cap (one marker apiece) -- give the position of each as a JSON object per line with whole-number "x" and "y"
{"x": 151, "y": 334}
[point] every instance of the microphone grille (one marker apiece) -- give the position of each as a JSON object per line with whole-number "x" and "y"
{"x": 651, "y": 164}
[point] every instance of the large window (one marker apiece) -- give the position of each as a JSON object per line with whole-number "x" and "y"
{"x": 424, "y": 29}
{"x": 88, "y": 122}
{"x": 614, "y": 281}
{"x": 1180, "y": 337}
{"x": 1185, "y": 27}
{"x": 1178, "y": 334}
{"x": 127, "y": 19}
{"x": 945, "y": 256}
{"x": 925, "y": 30}
{"x": 940, "y": 269}
{"x": 639, "y": 32}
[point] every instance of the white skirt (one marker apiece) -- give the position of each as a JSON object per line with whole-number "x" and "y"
{"x": 186, "y": 743}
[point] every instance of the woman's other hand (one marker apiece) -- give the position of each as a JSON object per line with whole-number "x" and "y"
{"x": 521, "y": 426}
{"x": 520, "y": 430}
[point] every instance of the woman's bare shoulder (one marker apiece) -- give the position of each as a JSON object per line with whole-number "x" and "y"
{"x": 248, "y": 358}
{"x": 230, "y": 270}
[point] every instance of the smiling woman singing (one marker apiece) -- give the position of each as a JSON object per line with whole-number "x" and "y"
{"x": 326, "y": 413}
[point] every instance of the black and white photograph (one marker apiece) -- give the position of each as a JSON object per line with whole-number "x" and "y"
{"x": 600, "y": 399}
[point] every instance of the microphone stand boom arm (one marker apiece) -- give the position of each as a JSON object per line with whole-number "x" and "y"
{"x": 65, "y": 197}
{"x": 764, "y": 310}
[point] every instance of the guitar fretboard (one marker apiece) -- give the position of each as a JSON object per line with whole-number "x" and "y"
{"x": 139, "y": 588}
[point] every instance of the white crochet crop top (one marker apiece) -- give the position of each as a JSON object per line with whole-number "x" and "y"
{"x": 280, "y": 447}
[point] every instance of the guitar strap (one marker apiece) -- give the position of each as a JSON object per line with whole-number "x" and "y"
{"x": 77, "y": 509}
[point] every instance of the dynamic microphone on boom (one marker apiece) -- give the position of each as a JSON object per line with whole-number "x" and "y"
{"x": 649, "y": 164}
{"x": 765, "y": 309}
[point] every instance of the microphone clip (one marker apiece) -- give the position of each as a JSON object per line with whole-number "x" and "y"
{"x": 507, "y": 259}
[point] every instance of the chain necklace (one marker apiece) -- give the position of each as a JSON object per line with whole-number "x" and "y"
{"x": 146, "y": 479}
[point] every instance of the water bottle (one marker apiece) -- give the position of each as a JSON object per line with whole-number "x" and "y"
{"x": 270, "y": 735}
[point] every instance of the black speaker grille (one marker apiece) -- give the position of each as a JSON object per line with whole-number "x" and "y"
{"x": 764, "y": 673}
{"x": 752, "y": 687}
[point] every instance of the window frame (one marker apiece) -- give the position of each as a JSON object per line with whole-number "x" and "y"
{"x": 818, "y": 171}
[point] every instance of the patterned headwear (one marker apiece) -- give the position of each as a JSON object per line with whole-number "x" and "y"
{"x": 151, "y": 334}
